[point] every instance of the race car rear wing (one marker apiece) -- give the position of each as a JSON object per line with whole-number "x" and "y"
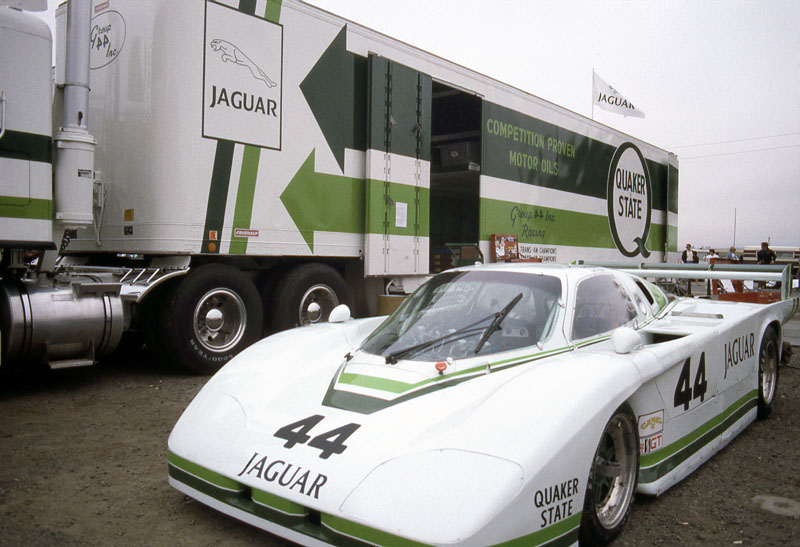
{"x": 735, "y": 272}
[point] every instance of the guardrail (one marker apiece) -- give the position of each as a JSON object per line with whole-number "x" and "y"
{"x": 741, "y": 272}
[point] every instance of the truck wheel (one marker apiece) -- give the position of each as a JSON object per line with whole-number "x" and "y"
{"x": 612, "y": 480}
{"x": 213, "y": 314}
{"x": 149, "y": 319}
{"x": 307, "y": 294}
{"x": 768, "y": 357}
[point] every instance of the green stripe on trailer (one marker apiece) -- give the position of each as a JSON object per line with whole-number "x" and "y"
{"x": 544, "y": 225}
{"x": 247, "y": 6}
{"x": 525, "y": 149}
{"x": 551, "y": 226}
{"x": 273, "y": 11}
{"x": 26, "y": 146}
{"x": 672, "y": 241}
{"x": 243, "y": 211}
{"x": 217, "y": 197}
{"x": 655, "y": 238}
{"x": 319, "y": 202}
{"x": 221, "y": 174}
{"x": 26, "y": 208}
{"x": 398, "y": 193}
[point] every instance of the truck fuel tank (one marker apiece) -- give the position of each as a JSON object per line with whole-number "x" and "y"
{"x": 59, "y": 323}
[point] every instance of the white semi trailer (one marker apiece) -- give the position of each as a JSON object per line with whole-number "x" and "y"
{"x": 202, "y": 171}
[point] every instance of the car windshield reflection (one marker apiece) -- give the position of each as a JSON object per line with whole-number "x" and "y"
{"x": 451, "y": 316}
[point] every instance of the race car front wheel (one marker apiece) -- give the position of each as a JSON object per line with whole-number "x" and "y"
{"x": 612, "y": 480}
{"x": 768, "y": 357}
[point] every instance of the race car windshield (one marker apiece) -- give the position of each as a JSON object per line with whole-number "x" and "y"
{"x": 463, "y": 314}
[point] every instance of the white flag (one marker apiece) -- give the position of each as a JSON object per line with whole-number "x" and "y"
{"x": 608, "y": 98}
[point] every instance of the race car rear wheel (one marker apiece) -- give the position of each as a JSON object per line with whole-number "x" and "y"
{"x": 768, "y": 357}
{"x": 612, "y": 480}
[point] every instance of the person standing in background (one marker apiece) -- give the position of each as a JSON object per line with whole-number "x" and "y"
{"x": 765, "y": 255}
{"x": 689, "y": 255}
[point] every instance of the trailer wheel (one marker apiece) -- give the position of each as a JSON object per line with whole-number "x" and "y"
{"x": 306, "y": 295}
{"x": 149, "y": 319}
{"x": 213, "y": 314}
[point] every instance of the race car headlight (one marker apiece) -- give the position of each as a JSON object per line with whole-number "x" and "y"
{"x": 213, "y": 419}
{"x": 440, "y": 496}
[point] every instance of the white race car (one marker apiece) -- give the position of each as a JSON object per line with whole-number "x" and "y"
{"x": 503, "y": 404}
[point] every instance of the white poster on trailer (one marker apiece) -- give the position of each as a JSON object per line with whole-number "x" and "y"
{"x": 242, "y": 77}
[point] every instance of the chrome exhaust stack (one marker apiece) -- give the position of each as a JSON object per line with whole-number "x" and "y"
{"x": 70, "y": 318}
{"x": 73, "y": 183}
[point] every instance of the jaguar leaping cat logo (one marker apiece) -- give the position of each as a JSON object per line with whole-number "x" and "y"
{"x": 233, "y": 54}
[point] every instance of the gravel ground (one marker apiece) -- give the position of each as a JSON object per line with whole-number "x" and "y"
{"x": 84, "y": 457}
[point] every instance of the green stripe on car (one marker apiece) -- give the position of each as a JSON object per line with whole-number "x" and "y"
{"x": 333, "y": 529}
{"x": 220, "y": 481}
{"x": 655, "y": 465}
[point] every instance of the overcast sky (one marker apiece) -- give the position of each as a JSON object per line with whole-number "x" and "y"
{"x": 719, "y": 82}
{"x": 704, "y": 73}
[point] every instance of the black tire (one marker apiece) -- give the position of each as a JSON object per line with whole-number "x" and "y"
{"x": 612, "y": 480}
{"x": 149, "y": 320}
{"x": 266, "y": 283}
{"x": 306, "y": 294}
{"x": 213, "y": 314}
{"x": 768, "y": 361}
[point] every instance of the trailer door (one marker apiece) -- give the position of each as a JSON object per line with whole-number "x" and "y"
{"x": 398, "y": 169}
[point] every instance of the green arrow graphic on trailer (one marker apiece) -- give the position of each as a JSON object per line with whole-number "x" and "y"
{"x": 324, "y": 203}
{"x": 336, "y": 91}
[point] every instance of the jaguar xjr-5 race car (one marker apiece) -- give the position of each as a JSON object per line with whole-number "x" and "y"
{"x": 503, "y": 404}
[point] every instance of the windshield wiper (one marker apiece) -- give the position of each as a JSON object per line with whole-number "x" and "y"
{"x": 498, "y": 318}
{"x": 469, "y": 330}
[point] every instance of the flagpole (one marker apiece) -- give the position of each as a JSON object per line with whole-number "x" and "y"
{"x": 592, "y": 93}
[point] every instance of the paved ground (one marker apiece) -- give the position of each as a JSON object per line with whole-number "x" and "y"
{"x": 84, "y": 456}
{"x": 791, "y": 332}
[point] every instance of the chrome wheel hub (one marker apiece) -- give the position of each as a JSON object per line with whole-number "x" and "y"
{"x": 220, "y": 319}
{"x": 316, "y": 304}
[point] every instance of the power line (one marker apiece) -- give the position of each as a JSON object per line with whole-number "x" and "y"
{"x": 737, "y": 153}
{"x": 734, "y": 141}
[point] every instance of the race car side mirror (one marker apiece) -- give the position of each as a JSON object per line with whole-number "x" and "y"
{"x": 625, "y": 340}
{"x": 339, "y": 314}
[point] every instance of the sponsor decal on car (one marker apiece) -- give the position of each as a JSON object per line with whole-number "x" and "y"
{"x": 284, "y": 474}
{"x": 652, "y": 423}
{"x": 651, "y": 427}
{"x": 555, "y": 502}
{"x": 738, "y": 350}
